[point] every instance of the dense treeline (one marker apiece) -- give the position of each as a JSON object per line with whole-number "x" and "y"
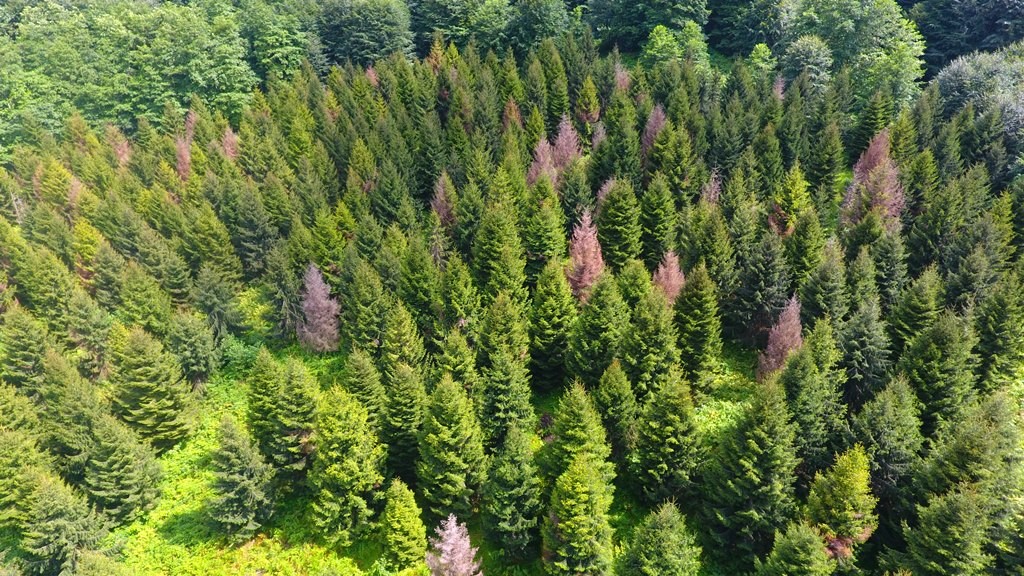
{"x": 534, "y": 288}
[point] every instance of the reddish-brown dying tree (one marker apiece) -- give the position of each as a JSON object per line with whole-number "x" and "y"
{"x": 784, "y": 338}
{"x": 585, "y": 261}
{"x": 875, "y": 187}
{"x": 318, "y": 330}
{"x": 452, "y": 553}
{"x": 669, "y": 276}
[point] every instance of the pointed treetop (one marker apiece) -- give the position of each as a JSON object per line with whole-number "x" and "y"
{"x": 319, "y": 328}
{"x": 586, "y": 263}
{"x": 451, "y": 553}
{"x": 783, "y": 339}
{"x": 669, "y": 277}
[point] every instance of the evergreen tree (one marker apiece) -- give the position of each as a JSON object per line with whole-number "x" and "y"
{"x": 648, "y": 350}
{"x": 950, "y": 536}
{"x": 890, "y": 429}
{"x": 657, "y": 221}
{"x": 401, "y": 342}
{"x": 666, "y": 458}
{"x": 939, "y": 364}
{"x": 617, "y": 404}
{"x": 192, "y": 342}
{"x": 451, "y": 466}
{"x": 265, "y": 379}
{"x": 346, "y": 469}
{"x": 916, "y": 309}
{"x": 511, "y": 505}
{"x": 149, "y": 391}
{"x": 122, "y": 474}
{"x": 662, "y": 544}
{"x": 577, "y": 429}
{"x": 596, "y": 337}
{"x": 799, "y": 551}
{"x": 498, "y": 256}
{"x": 506, "y": 396}
{"x": 363, "y": 305}
{"x": 618, "y": 155}
{"x": 824, "y": 293}
{"x": 461, "y": 300}
{"x": 999, "y": 319}
{"x": 407, "y": 398}
{"x": 577, "y": 533}
{"x": 21, "y": 357}
{"x": 763, "y": 289}
{"x": 865, "y": 348}
{"x": 362, "y": 380}
{"x": 634, "y": 282}
{"x": 318, "y": 330}
{"x": 840, "y": 502}
{"x": 404, "y": 536}
{"x": 698, "y": 324}
{"x": 553, "y": 316}
{"x": 749, "y": 484}
{"x": 452, "y": 553}
{"x": 59, "y": 528}
{"x": 242, "y": 482}
{"x": 544, "y": 235}
{"x": 291, "y": 420}
{"x": 618, "y": 224}
{"x": 458, "y": 359}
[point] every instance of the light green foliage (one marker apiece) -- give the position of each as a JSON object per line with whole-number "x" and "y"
{"x": 22, "y": 343}
{"x": 797, "y": 551}
{"x": 662, "y": 544}
{"x": 649, "y": 353}
{"x": 577, "y": 533}
{"x": 577, "y": 430}
{"x": 840, "y": 502}
{"x": 667, "y": 454}
{"x": 404, "y": 536}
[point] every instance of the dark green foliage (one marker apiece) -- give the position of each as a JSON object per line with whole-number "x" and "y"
{"x": 404, "y": 536}
{"x": 59, "y": 528}
{"x": 618, "y": 155}
{"x": 282, "y": 399}
{"x": 505, "y": 396}
{"x": 149, "y": 392}
{"x": 191, "y": 341}
{"x": 122, "y": 473}
{"x": 242, "y": 482}
{"x": 364, "y": 31}
{"x": 950, "y": 536}
{"x": 617, "y": 404}
{"x": 362, "y": 380}
{"x": 916, "y": 309}
{"x": 749, "y": 483}
{"x": 999, "y": 321}
{"x": 627, "y": 25}
{"x": 23, "y": 343}
{"x": 498, "y": 257}
{"x": 400, "y": 343}
{"x": 511, "y": 504}
{"x": 866, "y": 360}
{"x": 618, "y": 224}
{"x": 824, "y": 292}
{"x": 544, "y": 235}
{"x": 657, "y": 221}
{"x": 763, "y": 291}
{"x": 648, "y": 351}
{"x": 596, "y": 338}
{"x": 577, "y": 533}
{"x": 890, "y": 429}
{"x": 552, "y": 317}
{"x": 698, "y": 324}
{"x": 407, "y": 398}
{"x": 346, "y": 470}
{"x": 667, "y": 456}
{"x": 363, "y": 305}
{"x": 799, "y": 551}
{"x": 451, "y": 466}
{"x": 662, "y": 544}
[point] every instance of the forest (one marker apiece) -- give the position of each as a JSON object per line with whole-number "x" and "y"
{"x": 559, "y": 287}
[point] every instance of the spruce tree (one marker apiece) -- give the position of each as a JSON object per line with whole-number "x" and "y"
{"x": 362, "y": 380}
{"x": 950, "y": 536}
{"x": 618, "y": 156}
{"x": 420, "y": 285}
{"x": 916, "y": 309}
{"x": 407, "y": 398}
{"x": 404, "y": 536}
{"x": 401, "y": 342}
{"x": 999, "y": 320}
{"x": 461, "y": 299}
{"x": 504, "y": 329}
{"x": 192, "y": 342}
{"x": 763, "y": 289}
{"x": 21, "y": 357}
{"x": 634, "y": 282}
{"x": 149, "y": 392}
{"x": 544, "y": 234}
{"x": 265, "y": 379}
{"x": 363, "y": 305}
{"x": 577, "y": 429}
{"x": 797, "y": 551}
{"x": 749, "y": 484}
{"x": 59, "y": 528}
{"x": 498, "y": 257}
{"x": 618, "y": 224}
{"x": 658, "y": 221}
{"x": 648, "y": 349}
{"x": 291, "y": 419}
{"x": 451, "y": 466}
{"x": 939, "y": 364}
{"x": 552, "y": 317}
{"x": 890, "y": 429}
{"x": 865, "y": 348}
{"x": 122, "y": 474}
{"x": 662, "y": 544}
{"x": 840, "y": 502}
{"x": 505, "y": 396}
{"x": 666, "y": 458}
{"x": 824, "y": 293}
{"x": 242, "y": 482}
{"x": 346, "y": 469}
{"x": 597, "y": 335}
{"x": 698, "y": 324}
{"x": 577, "y": 532}
{"x": 511, "y": 505}
{"x": 617, "y": 405}
{"x": 458, "y": 359}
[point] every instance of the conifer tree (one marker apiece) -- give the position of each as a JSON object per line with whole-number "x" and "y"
{"x": 824, "y": 293}
{"x": 658, "y": 221}
{"x": 73, "y": 405}
{"x": 552, "y": 318}
{"x": 662, "y": 544}
{"x": 506, "y": 396}
{"x": 24, "y": 341}
{"x": 451, "y": 466}
{"x": 59, "y": 528}
{"x": 648, "y": 349}
{"x": 668, "y": 276}
{"x": 291, "y": 420}
{"x": 265, "y": 379}
{"x": 916, "y": 309}
{"x": 452, "y": 553}
{"x": 89, "y": 325}
{"x": 840, "y": 502}
{"x": 863, "y": 280}
{"x": 890, "y": 429}
{"x": 763, "y": 289}
{"x": 577, "y": 533}
{"x": 586, "y": 263}
{"x": 242, "y": 482}
{"x": 346, "y": 468}
{"x": 401, "y": 342}
{"x": 939, "y": 364}
{"x": 890, "y": 257}
{"x": 784, "y": 337}
{"x": 461, "y": 299}
{"x": 544, "y": 236}
{"x": 798, "y": 550}
{"x": 511, "y": 505}
{"x": 498, "y": 251}
{"x": 595, "y": 339}
{"x": 666, "y": 458}
{"x": 122, "y": 474}
{"x": 865, "y": 348}
{"x": 634, "y": 282}
{"x": 363, "y": 305}
{"x": 618, "y": 156}
{"x": 617, "y": 405}
{"x": 458, "y": 359}
{"x": 318, "y": 330}
{"x": 192, "y": 342}
{"x": 362, "y": 380}
{"x": 149, "y": 391}
{"x": 698, "y": 324}
{"x": 618, "y": 224}
{"x": 749, "y": 484}
{"x": 950, "y": 536}
{"x": 420, "y": 285}
{"x": 404, "y": 536}
{"x": 407, "y": 398}
{"x": 577, "y": 429}
{"x": 504, "y": 328}
{"x": 999, "y": 320}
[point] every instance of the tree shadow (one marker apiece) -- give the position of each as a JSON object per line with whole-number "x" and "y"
{"x": 189, "y": 528}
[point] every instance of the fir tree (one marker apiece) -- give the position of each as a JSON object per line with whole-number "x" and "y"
{"x": 617, "y": 404}
{"x": 24, "y": 341}
{"x": 404, "y": 536}
{"x": 122, "y": 473}
{"x": 999, "y": 321}
{"x": 291, "y": 418}
{"x": 950, "y": 536}
{"x": 916, "y": 309}
{"x": 824, "y": 293}
{"x": 865, "y": 348}
{"x": 511, "y": 504}
{"x": 784, "y": 337}
{"x": 451, "y": 466}
{"x": 452, "y": 553}
{"x": 668, "y": 276}
{"x": 420, "y": 285}
{"x": 362, "y": 380}
{"x": 890, "y": 429}
{"x": 595, "y": 339}
{"x": 461, "y": 300}
{"x": 242, "y": 482}
{"x": 797, "y": 551}
{"x": 749, "y": 484}
{"x": 498, "y": 251}
{"x": 618, "y": 224}
{"x": 763, "y": 289}
{"x": 401, "y": 342}
{"x": 459, "y": 360}
{"x": 698, "y": 324}
{"x": 657, "y": 221}
{"x": 648, "y": 349}
{"x": 149, "y": 391}
{"x": 840, "y": 502}
{"x": 577, "y": 429}
{"x": 346, "y": 469}
{"x": 577, "y": 533}
{"x": 363, "y": 305}
{"x": 192, "y": 342}
{"x": 634, "y": 282}
{"x": 544, "y": 236}
{"x": 59, "y": 528}
{"x": 618, "y": 156}
{"x": 666, "y": 458}
{"x": 662, "y": 544}
{"x": 506, "y": 396}
{"x": 552, "y": 317}
{"x": 407, "y": 398}
{"x": 504, "y": 328}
